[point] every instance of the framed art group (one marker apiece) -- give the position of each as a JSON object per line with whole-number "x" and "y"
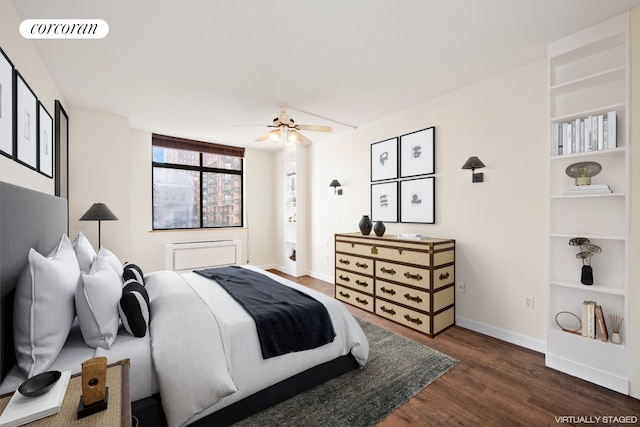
{"x": 26, "y": 127}
{"x": 401, "y": 188}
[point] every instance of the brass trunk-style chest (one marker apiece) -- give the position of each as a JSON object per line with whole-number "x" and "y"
{"x": 408, "y": 281}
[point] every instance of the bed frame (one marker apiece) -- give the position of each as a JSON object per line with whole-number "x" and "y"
{"x": 31, "y": 219}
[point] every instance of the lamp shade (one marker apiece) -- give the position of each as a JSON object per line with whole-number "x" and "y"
{"x": 473, "y": 163}
{"x": 335, "y": 183}
{"x": 583, "y": 171}
{"x": 98, "y": 212}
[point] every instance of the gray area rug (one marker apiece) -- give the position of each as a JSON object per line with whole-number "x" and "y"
{"x": 397, "y": 370}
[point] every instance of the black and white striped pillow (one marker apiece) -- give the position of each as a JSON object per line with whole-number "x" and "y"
{"x": 134, "y": 308}
{"x": 132, "y": 271}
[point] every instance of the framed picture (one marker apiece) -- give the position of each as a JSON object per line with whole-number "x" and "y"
{"x": 6, "y": 105}
{"x": 417, "y": 153}
{"x": 384, "y": 160}
{"x": 45, "y": 141}
{"x": 61, "y": 152}
{"x": 384, "y": 202}
{"x": 417, "y": 200}
{"x": 26, "y": 124}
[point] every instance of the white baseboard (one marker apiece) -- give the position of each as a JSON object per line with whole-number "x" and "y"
{"x": 502, "y": 334}
{"x": 320, "y": 276}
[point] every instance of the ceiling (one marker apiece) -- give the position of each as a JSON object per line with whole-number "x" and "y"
{"x": 196, "y": 68}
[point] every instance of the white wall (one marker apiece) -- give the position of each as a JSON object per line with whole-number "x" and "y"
{"x": 25, "y": 59}
{"x": 499, "y": 225}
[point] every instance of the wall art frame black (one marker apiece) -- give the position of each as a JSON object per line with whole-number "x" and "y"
{"x": 417, "y": 153}
{"x": 384, "y": 201}
{"x": 26, "y": 123}
{"x": 61, "y": 151}
{"x": 417, "y": 200}
{"x": 45, "y": 141}
{"x": 7, "y": 90}
{"x": 384, "y": 160}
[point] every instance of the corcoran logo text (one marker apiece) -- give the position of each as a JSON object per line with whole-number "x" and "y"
{"x": 64, "y": 29}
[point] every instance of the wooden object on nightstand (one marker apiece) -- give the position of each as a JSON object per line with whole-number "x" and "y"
{"x": 117, "y": 414}
{"x": 408, "y": 281}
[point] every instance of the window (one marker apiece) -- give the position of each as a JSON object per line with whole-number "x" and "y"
{"x": 196, "y": 184}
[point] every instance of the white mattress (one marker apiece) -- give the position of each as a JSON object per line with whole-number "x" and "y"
{"x": 143, "y": 381}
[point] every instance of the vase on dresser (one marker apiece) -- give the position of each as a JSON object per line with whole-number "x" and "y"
{"x": 379, "y": 229}
{"x": 365, "y": 225}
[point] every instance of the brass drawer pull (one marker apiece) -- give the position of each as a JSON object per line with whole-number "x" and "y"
{"x": 344, "y": 295}
{"x": 362, "y": 301}
{"x": 388, "y": 310}
{"x": 444, "y": 276}
{"x": 344, "y": 261}
{"x": 362, "y": 283}
{"x": 362, "y": 265}
{"x": 412, "y": 320}
{"x": 410, "y": 298}
{"x": 345, "y": 278}
{"x": 374, "y": 250}
{"x": 391, "y": 271}
{"x": 388, "y": 291}
{"x": 413, "y": 276}
{"x": 399, "y": 251}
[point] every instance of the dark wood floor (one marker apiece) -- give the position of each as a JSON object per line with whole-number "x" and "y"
{"x": 497, "y": 384}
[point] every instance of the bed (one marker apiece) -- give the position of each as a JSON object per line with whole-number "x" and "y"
{"x": 168, "y": 388}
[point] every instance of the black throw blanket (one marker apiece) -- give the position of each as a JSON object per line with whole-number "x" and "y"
{"x": 287, "y": 320}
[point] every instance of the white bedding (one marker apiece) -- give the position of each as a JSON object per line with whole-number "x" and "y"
{"x": 239, "y": 341}
{"x": 142, "y": 381}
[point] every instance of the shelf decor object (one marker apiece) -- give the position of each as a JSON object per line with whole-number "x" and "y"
{"x": 616, "y": 324}
{"x": 586, "y": 250}
{"x": 577, "y": 330}
{"x": 583, "y": 171}
{"x": 588, "y": 95}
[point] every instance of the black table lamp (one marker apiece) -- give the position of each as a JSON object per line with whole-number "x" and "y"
{"x": 98, "y": 212}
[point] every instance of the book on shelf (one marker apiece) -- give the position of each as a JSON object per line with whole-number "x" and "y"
{"x": 602, "y": 326}
{"x": 22, "y": 409}
{"x": 588, "y": 189}
{"x": 589, "y": 319}
{"x": 583, "y": 135}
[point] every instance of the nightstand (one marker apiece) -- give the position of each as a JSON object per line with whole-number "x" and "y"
{"x": 117, "y": 413}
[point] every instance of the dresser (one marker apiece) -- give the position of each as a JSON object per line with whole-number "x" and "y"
{"x": 408, "y": 281}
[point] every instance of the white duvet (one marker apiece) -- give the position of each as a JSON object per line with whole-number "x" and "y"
{"x": 206, "y": 351}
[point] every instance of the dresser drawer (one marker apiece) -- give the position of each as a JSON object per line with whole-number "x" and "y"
{"x": 355, "y": 298}
{"x": 354, "y": 263}
{"x": 403, "y": 295}
{"x": 411, "y": 275}
{"x": 443, "y": 276}
{"x": 355, "y": 281}
{"x": 405, "y": 316}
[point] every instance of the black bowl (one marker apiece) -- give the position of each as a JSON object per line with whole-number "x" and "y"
{"x": 39, "y": 384}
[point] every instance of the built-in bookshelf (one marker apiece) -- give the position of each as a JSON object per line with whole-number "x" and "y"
{"x": 589, "y": 122}
{"x": 293, "y": 254}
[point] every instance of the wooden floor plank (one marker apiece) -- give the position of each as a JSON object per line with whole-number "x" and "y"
{"x": 496, "y": 383}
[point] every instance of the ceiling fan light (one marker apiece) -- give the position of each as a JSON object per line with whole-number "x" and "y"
{"x": 292, "y": 136}
{"x": 275, "y": 135}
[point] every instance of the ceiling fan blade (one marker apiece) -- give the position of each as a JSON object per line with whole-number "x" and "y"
{"x": 263, "y": 137}
{"x": 315, "y": 128}
{"x": 300, "y": 138}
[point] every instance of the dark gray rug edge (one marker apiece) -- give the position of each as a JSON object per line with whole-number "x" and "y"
{"x": 395, "y": 373}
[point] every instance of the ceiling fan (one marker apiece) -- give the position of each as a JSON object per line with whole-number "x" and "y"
{"x": 285, "y": 129}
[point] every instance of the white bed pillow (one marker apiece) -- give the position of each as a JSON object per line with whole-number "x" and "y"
{"x": 115, "y": 263}
{"x": 84, "y": 252}
{"x": 97, "y": 297}
{"x": 44, "y": 307}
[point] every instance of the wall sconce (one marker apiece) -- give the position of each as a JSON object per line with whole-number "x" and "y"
{"x": 336, "y": 187}
{"x": 98, "y": 212}
{"x": 474, "y": 163}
